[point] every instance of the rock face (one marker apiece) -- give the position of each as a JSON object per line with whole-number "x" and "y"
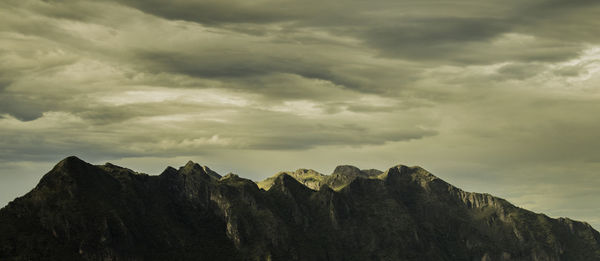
{"x": 341, "y": 176}
{"x": 80, "y": 211}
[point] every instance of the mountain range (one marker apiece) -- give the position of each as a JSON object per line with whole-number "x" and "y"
{"x": 80, "y": 211}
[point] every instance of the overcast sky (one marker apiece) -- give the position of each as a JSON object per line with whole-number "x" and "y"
{"x": 492, "y": 96}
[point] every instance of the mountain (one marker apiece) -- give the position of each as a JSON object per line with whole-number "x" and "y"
{"x": 80, "y": 211}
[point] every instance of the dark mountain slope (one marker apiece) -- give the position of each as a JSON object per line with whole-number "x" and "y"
{"x": 83, "y": 212}
{"x": 79, "y": 211}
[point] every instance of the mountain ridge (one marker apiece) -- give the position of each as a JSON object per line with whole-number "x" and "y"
{"x": 80, "y": 211}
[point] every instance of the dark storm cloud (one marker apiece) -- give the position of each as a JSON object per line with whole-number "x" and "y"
{"x": 557, "y": 8}
{"x": 258, "y": 12}
{"x": 22, "y": 108}
{"x": 563, "y": 21}
{"x": 412, "y": 30}
{"x": 238, "y": 64}
{"x": 409, "y": 30}
{"x": 251, "y": 70}
{"x": 432, "y": 38}
{"x": 210, "y": 12}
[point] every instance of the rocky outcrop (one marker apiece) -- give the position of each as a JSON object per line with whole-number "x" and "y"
{"x": 80, "y": 211}
{"x": 308, "y": 177}
{"x": 342, "y": 175}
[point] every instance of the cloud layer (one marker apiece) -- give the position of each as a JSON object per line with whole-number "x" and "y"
{"x": 496, "y": 96}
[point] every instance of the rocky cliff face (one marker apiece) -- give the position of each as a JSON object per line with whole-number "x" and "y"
{"x": 83, "y": 212}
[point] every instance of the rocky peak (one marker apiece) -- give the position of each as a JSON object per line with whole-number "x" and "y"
{"x": 230, "y": 175}
{"x": 169, "y": 171}
{"x": 302, "y": 172}
{"x": 347, "y": 170}
{"x": 413, "y": 173}
{"x": 192, "y": 168}
{"x": 71, "y": 163}
{"x": 66, "y": 172}
{"x": 371, "y": 172}
{"x": 112, "y": 166}
{"x": 239, "y": 182}
{"x": 284, "y": 180}
{"x": 211, "y": 173}
{"x": 116, "y": 169}
{"x": 287, "y": 184}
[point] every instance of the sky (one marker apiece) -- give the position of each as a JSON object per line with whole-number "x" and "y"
{"x": 492, "y": 96}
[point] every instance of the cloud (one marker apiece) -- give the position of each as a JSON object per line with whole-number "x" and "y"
{"x": 461, "y": 32}
{"x": 182, "y": 127}
{"x": 431, "y": 38}
{"x": 520, "y": 71}
{"x": 238, "y": 64}
{"x": 211, "y": 12}
{"x": 476, "y": 91}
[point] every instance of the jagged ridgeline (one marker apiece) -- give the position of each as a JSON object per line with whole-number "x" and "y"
{"x": 79, "y": 211}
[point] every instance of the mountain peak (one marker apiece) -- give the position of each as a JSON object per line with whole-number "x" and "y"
{"x": 68, "y": 173}
{"x": 347, "y": 170}
{"x": 192, "y": 168}
{"x": 69, "y": 166}
{"x": 414, "y": 170}
{"x": 288, "y": 184}
{"x": 371, "y": 172}
{"x": 211, "y": 172}
{"x": 190, "y": 163}
{"x": 285, "y": 179}
{"x": 169, "y": 171}
{"x": 71, "y": 162}
{"x": 230, "y": 175}
{"x": 307, "y": 172}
